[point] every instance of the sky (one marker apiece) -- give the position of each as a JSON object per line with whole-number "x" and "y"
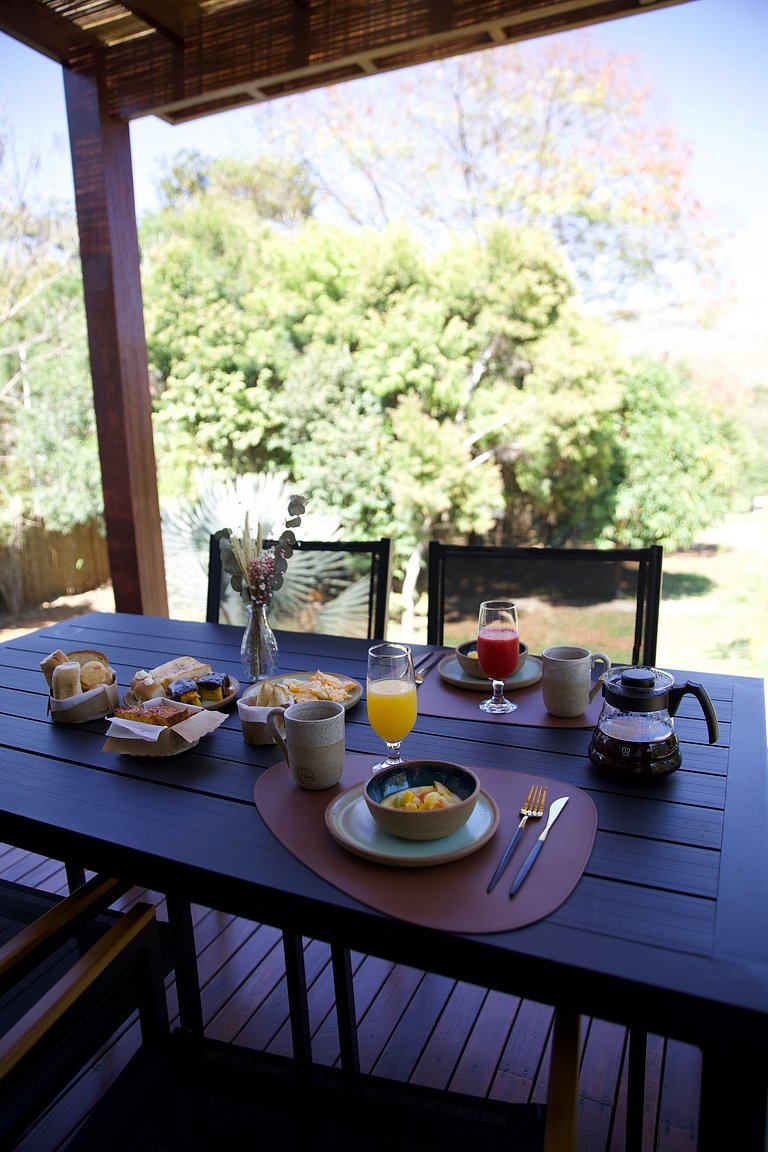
{"x": 705, "y": 62}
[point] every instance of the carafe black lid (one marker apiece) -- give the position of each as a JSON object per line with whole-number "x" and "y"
{"x": 637, "y": 689}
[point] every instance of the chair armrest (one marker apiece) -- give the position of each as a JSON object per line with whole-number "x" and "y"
{"x": 37, "y": 940}
{"x": 109, "y": 958}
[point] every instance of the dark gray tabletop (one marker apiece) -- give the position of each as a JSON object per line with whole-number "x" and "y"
{"x": 667, "y": 929}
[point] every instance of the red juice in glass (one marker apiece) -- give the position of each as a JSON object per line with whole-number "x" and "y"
{"x": 498, "y": 650}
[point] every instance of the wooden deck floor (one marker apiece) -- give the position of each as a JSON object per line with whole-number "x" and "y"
{"x": 413, "y": 1026}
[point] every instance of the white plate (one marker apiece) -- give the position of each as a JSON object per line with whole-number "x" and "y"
{"x": 351, "y": 824}
{"x": 349, "y": 703}
{"x": 453, "y": 673}
{"x": 131, "y": 700}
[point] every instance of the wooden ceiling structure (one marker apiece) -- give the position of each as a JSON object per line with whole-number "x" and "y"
{"x": 181, "y": 60}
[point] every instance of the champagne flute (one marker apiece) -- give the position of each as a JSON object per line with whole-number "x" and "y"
{"x": 391, "y": 697}
{"x": 498, "y": 650}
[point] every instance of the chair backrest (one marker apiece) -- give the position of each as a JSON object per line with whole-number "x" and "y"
{"x": 607, "y": 601}
{"x": 335, "y": 586}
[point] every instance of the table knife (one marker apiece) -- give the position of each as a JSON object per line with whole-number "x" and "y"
{"x": 426, "y": 664}
{"x": 554, "y": 812}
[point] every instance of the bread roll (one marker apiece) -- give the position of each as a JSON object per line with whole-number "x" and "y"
{"x": 65, "y": 681}
{"x": 145, "y": 687}
{"x": 86, "y": 655}
{"x": 51, "y": 662}
{"x": 93, "y": 674}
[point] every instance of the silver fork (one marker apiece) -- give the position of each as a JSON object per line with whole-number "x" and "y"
{"x": 532, "y": 809}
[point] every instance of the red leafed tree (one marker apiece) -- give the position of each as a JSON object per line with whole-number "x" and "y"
{"x": 556, "y": 133}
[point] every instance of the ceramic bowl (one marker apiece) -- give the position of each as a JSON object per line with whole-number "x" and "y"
{"x": 469, "y": 663}
{"x": 424, "y": 824}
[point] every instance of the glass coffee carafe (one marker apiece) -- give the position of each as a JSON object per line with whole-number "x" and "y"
{"x": 635, "y": 734}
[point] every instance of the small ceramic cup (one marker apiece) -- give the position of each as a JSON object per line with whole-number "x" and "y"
{"x": 311, "y": 736}
{"x": 567, "y": 682}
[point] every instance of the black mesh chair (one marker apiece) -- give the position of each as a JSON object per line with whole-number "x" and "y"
{"x": 340, "y": 587}
{"x": 607, "y": 601}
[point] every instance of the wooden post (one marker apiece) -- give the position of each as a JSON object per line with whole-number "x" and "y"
{"x": 109, "y": 252}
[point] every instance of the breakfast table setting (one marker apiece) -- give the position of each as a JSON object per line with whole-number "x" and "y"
{"x": 642, "y": 903}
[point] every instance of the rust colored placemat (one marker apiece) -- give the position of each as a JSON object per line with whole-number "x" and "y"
{"x": 450, "y": 896}
{"x": 438, "y": 698}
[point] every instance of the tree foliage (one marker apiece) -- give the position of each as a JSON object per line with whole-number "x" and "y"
{"x": 352, "y": 360}
{"x": 422, "y": 364}
{"x": 273, "y": 189}
{"x": 47, "y": 429}
{"x": 677, "y": 460}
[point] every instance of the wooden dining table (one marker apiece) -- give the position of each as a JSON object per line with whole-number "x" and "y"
{"x": 647, "y": 906}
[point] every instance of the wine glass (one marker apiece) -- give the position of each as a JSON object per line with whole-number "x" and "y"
{"x": 498, "y": 650}
{"x": 391, "y": 696}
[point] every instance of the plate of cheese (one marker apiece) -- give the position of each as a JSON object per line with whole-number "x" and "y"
{"x": 294, "y": 687}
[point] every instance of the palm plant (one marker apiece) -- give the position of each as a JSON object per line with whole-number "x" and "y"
{"x": 321, "y": 591}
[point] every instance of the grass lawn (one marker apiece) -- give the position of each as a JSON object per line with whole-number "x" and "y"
{"x": 714, "y": 611}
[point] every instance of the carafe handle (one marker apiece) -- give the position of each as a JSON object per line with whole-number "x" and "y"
{"x": 699, "y": 691}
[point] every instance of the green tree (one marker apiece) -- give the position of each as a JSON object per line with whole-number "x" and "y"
{"x": 353, "y": 361}
{"x": 562, "y": 467}
{"x": 46, "y": 407}
{"x": 677, "y": 460}
{"x": 274, "y": 189}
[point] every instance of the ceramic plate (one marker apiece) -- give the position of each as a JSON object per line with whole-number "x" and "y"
{"x": 453, "y": 673}
{"x": 351, "y": 824}
{"x": 349, "y": 703}
{"x": 130, "y": 699}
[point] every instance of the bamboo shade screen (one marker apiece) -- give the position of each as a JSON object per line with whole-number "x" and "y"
{"x": 181, "y": 59}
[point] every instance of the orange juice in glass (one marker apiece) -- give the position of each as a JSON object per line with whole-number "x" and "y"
{"x": 391, "y": 697}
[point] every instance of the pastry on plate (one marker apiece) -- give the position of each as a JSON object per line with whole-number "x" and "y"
{"x": 185, "y": 691}
{"x": 181, "y": 667}
{"x": 159, "y": 714}
{"x": 214, "y": 686}
{"x": 148, "y": 684}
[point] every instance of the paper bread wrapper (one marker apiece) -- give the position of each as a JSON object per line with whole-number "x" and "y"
{"x": 131, "y": 738}
{"x": 92, "y": 705}
{"x": 253, "y": 720}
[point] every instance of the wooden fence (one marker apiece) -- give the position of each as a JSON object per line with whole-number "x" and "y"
{"x": 44, "y": 565}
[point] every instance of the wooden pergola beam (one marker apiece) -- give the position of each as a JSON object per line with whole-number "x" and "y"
{"x": 109, "y": 252}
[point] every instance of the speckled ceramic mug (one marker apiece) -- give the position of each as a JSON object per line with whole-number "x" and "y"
{"x": 567, "y": 683}
{"x": 312, "y": 741}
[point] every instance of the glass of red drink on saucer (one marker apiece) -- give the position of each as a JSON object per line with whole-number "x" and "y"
{"x": 498, "y": 650}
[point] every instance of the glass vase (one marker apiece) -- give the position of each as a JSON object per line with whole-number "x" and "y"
{"x": 258, "y": 650}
